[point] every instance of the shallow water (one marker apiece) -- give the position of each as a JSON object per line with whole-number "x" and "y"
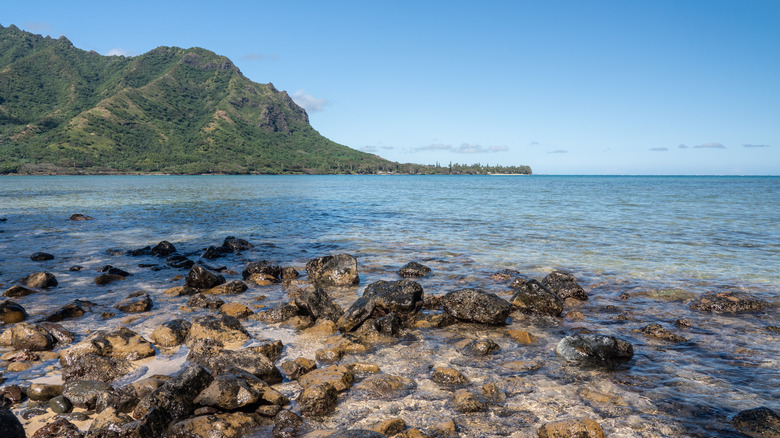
{"x": 635, "y": 235}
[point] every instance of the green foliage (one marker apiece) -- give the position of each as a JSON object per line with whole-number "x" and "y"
{"x": 171, "y": 110}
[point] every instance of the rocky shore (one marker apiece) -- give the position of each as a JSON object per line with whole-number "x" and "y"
{"x": 227, "y": 381}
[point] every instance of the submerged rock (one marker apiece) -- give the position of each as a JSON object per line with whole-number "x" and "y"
{"x": 466, "y": 401}
{"x": 41, "y": 256}
{"x": 473, "y": 305}
{"x": 564, "y": 285}
{"x": 338, "y": 270}
{"x": 136, "y": 302}
{"x": 480, "y": 347}
{"x": 163, "y": 249}
{"x": 74, "y": 309}
{"x": 24, "y": 336}
{"x": 18, "y": 291}
{"x": 658, "y": 332}
{"x": 414, "y": 269}
{"x": 80, "y": 217}
{"x": 580, "y": 428}
{"x": 592, "y": 350}
{"x": 731, "y": 301}
{"x": 758, "y": 423}
{"x": 386, "y": 386}
{"x": 11, "y": 312}
{"x": 532, "y": 297}
{"x": 262, "y": 267}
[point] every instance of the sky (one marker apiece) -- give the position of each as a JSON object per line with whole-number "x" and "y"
{"x": 564, "y": 86}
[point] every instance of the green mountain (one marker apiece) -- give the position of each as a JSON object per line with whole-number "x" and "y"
{"x": 65, "y": 110}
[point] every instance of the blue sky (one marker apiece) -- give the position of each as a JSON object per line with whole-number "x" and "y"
{"x": 567, "y": 87}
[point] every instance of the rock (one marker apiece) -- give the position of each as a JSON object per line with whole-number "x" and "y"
{"x": 61, "y": 428}
{"x": 18, "y": 291}
{"x": 60, "y": 405}
{"x": 286, "y": 424}
{"x": 60, "y": 333}
{"x": 163, "y": 249}
{"x": 205, "y": 302}
{"x": 449, "y": 377}
{"x": 264, "y": 268}
{"x": 43, "y": 392}
{"x": 238, "y": 390}
{"x": 338, "y": 270}
{"x": 151, "y": 424}
{"x": 24, "y": 336}
{"x": 731, "y": 301}
{"x": 178, "y": 291}
{"x": 236, "y": 245}
{"x": 481, "y": 347}
{"x": 414, "y": 269}
{"x": 179, "y": 262}
{"x": 171, "y": 333}
{"x": 136, "y": 302}
{"x": 277, "y": 314}
{"x": 146, "y": 386}
{"x": 121, "y": 343}
{"x": 317, "y": 399}
{"x": 201, "y": 278}
{"x": 104, "y": 279}
{"x": 390, "y": 427}
{"x": 110, "y": 419}
{"x": 505, "y": 275}
{"x": 581, "y": 428}
{"x": 74, "y": 309}
{"x": 493, "y": 393}
{"x": 95, "y": 368}
{"x": 758, "y": 423}
{"x": 236, "y": 310}
{"x": 176, "y": 397}
{"x": 84, "y": 393}
{"x": 532, "y": 297}
{"x": 231, "y": 287}
{"x": 404, "y": 298}
{"x": 466, "y": 401}
{"x": 80, "y": 217}
{"x": 40, "y": 280}
{"x": 220, "y": 328}
{"x": 564, "y": 285}
{"x": 386, "y": 386}
{"x": 147, "y": 250}
{"x": 212, "y": 253}
{"x": 252, "y": 360}
{"x": 338, "y": 376}
{"x": 41, "y": 257}
{"x": 317, "y": 304}
{"x": 522, "y": 337}
{"x": 294, "y": 369}
{"x": 225, "y": 425}
{"x": 289, "y": 273}
{"x": 591, "y": 350}
{"x": 473, "y": 305}
{"x": 11, "y": 312}
{"x": 656, "y": 331}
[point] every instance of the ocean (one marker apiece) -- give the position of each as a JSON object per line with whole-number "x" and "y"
{"x": 640, "y": 236}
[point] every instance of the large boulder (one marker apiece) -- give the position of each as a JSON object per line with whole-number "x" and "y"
{"x": 758, "y": 423}
{"x": 338, "y": 270}
{"x": 171, "y": 333}
{"x": 403, "y": 298}
{"x": 223, "y": 425}
{"x": 201, "y": 278}
{"x": 74, "y": 309}
{"x": 316, "y": 303}
{"x": 121, "y": 343}
{"x": 532, "y": 297}
{"x": 176, "y": 397}
{"x": 163, "y": 249}
{"x": 238, "y": 390}
{"x": 221, "y": 329}
{"x": 731, "y": 301}
{"x": 564, "y": 285}
{"x": 263, "y": 268}
{"x": 253, "y": 360}
{"x": 40, "y": 280}
{"x": 473, "y": 305}
{"x": 592, "y": 350}
{"x": 10, "y": 426}
{"x": 24, "y": 336}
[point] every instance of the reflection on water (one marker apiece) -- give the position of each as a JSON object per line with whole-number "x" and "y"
{"x": 618, "y": 235}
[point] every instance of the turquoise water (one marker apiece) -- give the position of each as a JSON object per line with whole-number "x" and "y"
{"x": 617, "y": 235}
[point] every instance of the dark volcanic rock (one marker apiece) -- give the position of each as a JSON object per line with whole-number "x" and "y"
{"x": 728, "y": 302}
{"x": 176, "y": 397}
{"x": 759, "y": 423}
{"x": 213, "y": 252}
{"x": 591, "y": 350}
{"x": 41, "y": 257}
{"x": 61, "y": 428}
{"x": 658, "y": 332}
{"x": 466, "y": 401}
{"x": 481, "y": 347}
{"x": 338, "y": 270}
{"x": 40, "y": 280}
{"x": 298, "y": 367}
{"x": 564, "y": 285}
{"x": 104, "y": 279}
{"x": 10, "y": 426}
{"x": 60, "y": 405}
{"x": 80, "y": 217}
{"x": 262, "y": 267}
{"x": 317, "y": 400}
{"x": 95, "y": 368}
{"x": 317, "y": 303}
{"x": 253, "y": 360}
{"x": 414, "y": 269}
{"x": 121, "y": 343}
{"x": 179, "y": 262}
{"x": 85, "y": 393}
{"x": 18, "y": 291}
{"x": 220, "y": 328}
{"x": 11, "y": 312}
{"x": 532, "y": 297}
{"x": 403, "y": 297}
{"x": 236, "y": 245}
{"x": 201, "y": 278}
{"x": 136, "y": 302}
{"x": 75, "y": 309}
{"x": 60, "y": 333}
{"x": 205, "y": 302}
{"x": 163, "y": 249}
{"x": 473, "y": 305}
{"x": 229, "y": 288}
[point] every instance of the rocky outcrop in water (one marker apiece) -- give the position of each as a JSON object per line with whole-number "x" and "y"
{"x": 533, "y": 297}
{"x": 564, "y": 285}
{"x": 472, "y": 305}
{"x": 40, "y": 280}
{"x": 592, "y": 350}
{"x": 759, "y": 422}
{"x": 731, "y": 301}
{"x": 338, "y": 270}
{"x": 403, "y": 298}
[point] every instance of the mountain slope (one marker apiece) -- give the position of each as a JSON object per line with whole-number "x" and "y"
{"x": 173, "y": 110}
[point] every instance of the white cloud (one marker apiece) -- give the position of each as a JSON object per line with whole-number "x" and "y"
{"x": 683, "y": 146}
{"x": 659, "y": 149}
{"x": 118, "y": 51}
{"x": 464, "y": 148}
{"x": 710, "y": 146}
{"x": 756, "y": 145}
{"x": 309, "y": 102}
{"x": 369, "y": 149}
{"x": 435, "y": 147}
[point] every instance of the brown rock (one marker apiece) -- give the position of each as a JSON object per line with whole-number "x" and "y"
{"x": 390, "y": 427}
{"x": 523, "y": 337}
{"x": 40, "y": 280}
{"x": 449, "y": 376}
{"x": 236, "y": 310}
{"x": 231, "y": 287}
{"x": 171, "y": 333}
{"x": 466, "y": 401}
{"x": 337, "y": 376}
{"x": 298, "y": 367}
{"x": 581, "y": 428}
{"x": 18, "y": 291}
{"x": 24, "y": 336}
{"x": 317, "y": 399}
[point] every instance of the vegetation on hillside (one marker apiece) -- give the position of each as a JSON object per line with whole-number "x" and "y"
{"x": 171, "y": 110}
